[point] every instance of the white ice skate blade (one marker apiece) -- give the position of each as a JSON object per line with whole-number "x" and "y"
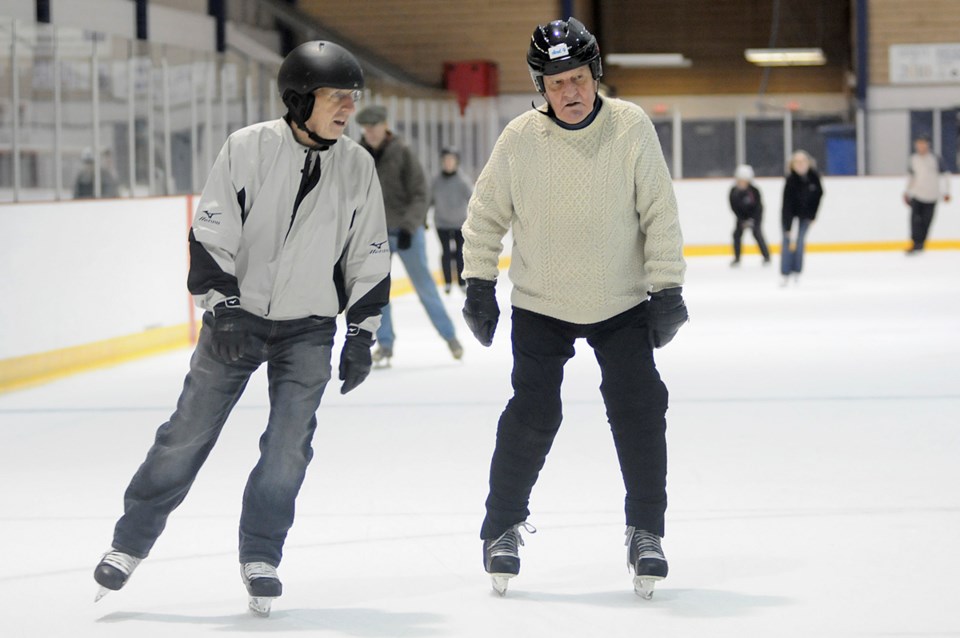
{"x": 260, "y": 605}
{"x": 500, "y": 581}
{"x": 643, "y": 585}
{"x": 103, "y": 591}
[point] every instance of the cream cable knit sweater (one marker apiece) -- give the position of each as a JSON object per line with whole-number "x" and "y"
{"x": 592, "y": 212}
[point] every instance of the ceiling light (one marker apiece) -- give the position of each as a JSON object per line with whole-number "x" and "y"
{"x": 647, "y": 60}
{"x": 786, "y": 57}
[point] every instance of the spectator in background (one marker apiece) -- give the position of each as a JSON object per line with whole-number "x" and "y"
{"x": 801, "y": 200}
{"x": 929, "y": 179}
{"x": 405, "y": 200}
{"x": 84, "y": 186}
{"x": 748, "y": 207}
{"x": 450, "y": 194}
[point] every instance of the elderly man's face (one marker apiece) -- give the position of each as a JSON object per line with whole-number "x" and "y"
{"x": 332, "y": 109}
{"x": 571, "y": 94}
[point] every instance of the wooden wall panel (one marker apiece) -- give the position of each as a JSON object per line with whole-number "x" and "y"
{"x": 713, "y": 35}
{"x": 913, "y": 22}
{"x": 420, "y": 35}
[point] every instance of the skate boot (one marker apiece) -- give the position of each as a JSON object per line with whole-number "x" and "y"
{"x": 501, "y": 556}
{"x": 646, "y": 559}
{"x": 455, "y": 348}
{"x": 113, "y": 571}
{"x": 262, "y": 585}
{"x": 381, "y": 356}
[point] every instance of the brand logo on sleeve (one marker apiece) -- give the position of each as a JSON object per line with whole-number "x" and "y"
{"x": 379, "y": 247}
{"x": 209, "y": 217}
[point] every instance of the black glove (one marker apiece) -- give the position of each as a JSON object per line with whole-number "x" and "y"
{"x": 228, "y": 333}
{"x": 355, "y": 359}
{"x": 403, "y": 239}
{"x": 666, "y": 312}
{"x": 480, "y": 310}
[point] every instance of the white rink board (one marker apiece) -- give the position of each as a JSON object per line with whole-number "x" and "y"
{"x": 78, "y": 272}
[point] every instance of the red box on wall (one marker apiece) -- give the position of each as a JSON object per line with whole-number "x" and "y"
{"x": 471, "y": 77}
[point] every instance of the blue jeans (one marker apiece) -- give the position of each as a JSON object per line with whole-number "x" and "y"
{"x": 415, "y": 262}
{"x": 297, "y": 353}
{"x": 791, "y": 260}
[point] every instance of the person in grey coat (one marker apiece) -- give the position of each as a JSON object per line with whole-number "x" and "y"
{"x": 405, "y": 200}
{"x": 289, "y": 233}
{"x": 450, "y": 193}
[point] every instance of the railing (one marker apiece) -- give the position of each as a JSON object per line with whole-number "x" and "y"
{"x": 89, "y": 114}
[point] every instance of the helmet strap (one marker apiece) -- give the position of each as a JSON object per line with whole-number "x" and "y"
{"x": 321, "y": 142}
{"x": 299, "y": 109}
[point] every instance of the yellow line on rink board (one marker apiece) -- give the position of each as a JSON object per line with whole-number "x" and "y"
{"x": 34, "y": 369}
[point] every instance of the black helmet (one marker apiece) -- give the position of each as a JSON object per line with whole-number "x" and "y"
{"x": 310, "y": 66}
{"x": 560, "y": 46}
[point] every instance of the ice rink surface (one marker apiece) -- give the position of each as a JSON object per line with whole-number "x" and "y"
{"x": 814, "y": 435}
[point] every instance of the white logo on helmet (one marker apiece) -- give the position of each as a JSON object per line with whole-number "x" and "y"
{"x": 558, "y": 51}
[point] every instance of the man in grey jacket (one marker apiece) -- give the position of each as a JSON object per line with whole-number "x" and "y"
{"x": 289, "y": 232}
{"x": 405, "y": 200}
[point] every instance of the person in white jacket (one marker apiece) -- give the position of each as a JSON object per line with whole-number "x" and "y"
{"x": 289, "y": 232}
{"x": 929, "y": 181}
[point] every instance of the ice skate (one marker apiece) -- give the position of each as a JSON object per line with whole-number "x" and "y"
{"x": 455, "y": 348}
{"x": 113, "y": 571}
{"x": 646, "y": 559}
{"x": 381, "y": 356}
{"x": 262, "y": 585}
{"x": 501, "y": 556}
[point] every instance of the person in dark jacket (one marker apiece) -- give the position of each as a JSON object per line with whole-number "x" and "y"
{"x": 801, "y": 200}
{"x": 276, "y": 253}
{"x": 406, "y": 201}
{"x": 748, "y": 207}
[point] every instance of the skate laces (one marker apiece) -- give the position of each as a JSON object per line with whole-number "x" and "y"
{"x": 509, "y": 541}
{"x": 252, "y": 571}
{"x": 119, "y": 560}
{"x": 645, "y": 544}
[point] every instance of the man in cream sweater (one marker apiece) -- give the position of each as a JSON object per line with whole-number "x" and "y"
{"x": 597, "y": 254}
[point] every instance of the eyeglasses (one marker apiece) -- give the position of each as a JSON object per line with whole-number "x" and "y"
{"x": 336, "y": 97}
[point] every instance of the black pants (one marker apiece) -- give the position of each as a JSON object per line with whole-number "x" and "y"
{"x": 451, "y": 242}
{"x": 921, "y": 216}
{"x": 635, "y": 400}
{"x": 754, "y": 225}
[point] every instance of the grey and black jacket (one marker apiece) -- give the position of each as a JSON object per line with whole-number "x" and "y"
{"x": 290, "y": 238}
